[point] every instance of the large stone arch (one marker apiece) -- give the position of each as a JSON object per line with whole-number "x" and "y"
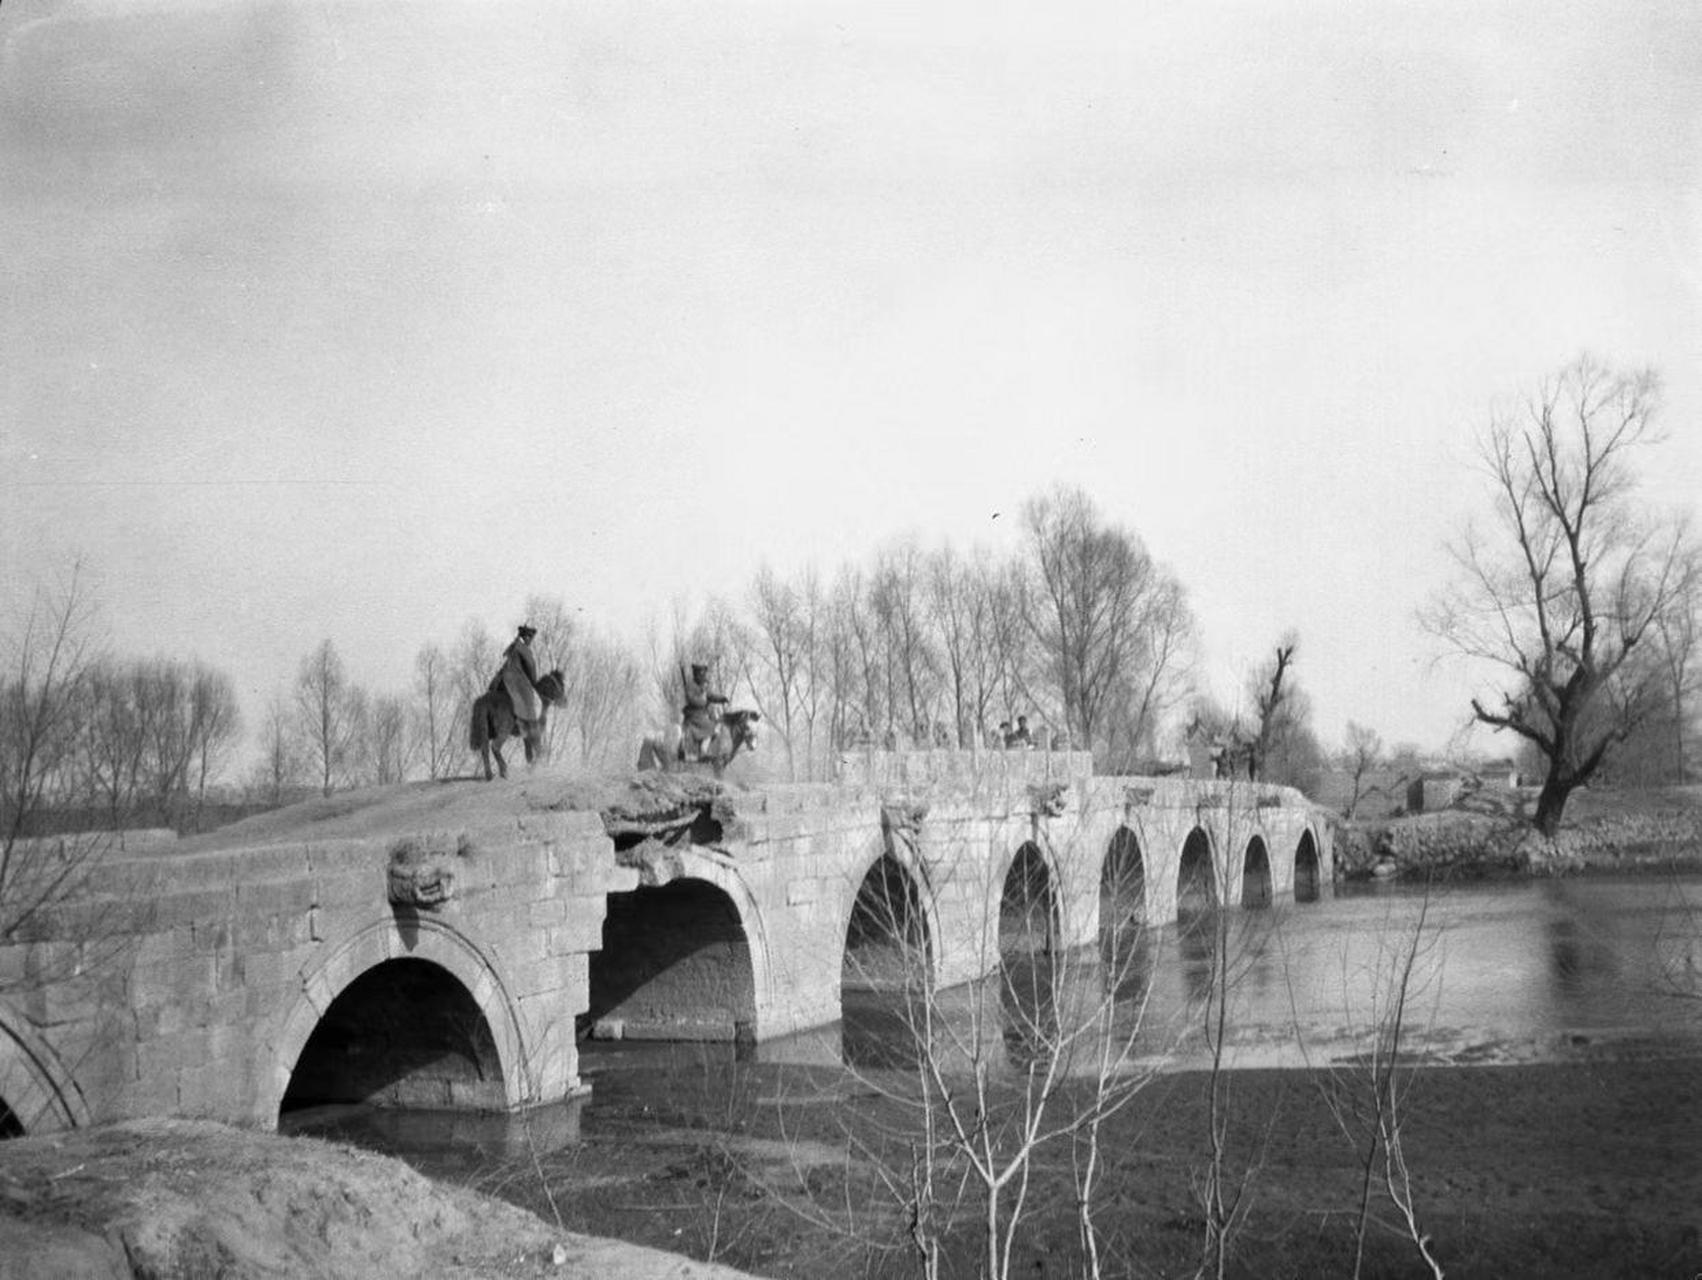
{"x": 915, "y": 871}
{"x": 1124, "y": 880}
{"x": 34, "y": 1085}
{"x": 1257, "y": 874}
{"x": 1197, "y": 858}
{"x": 681, "y": 870}
{"x": 695, "y": 863}
{"x": 1308, "y": 866}
{"x": 1033, "y": 852}
{"x": 389, "y": 939}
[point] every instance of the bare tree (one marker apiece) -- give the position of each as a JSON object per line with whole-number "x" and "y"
{"x": 1677, "y": 631}
{"x": 909, "y": 664}
{"x": 1367, "y": 1097}
{"x": 835, "y": 676}
{"x": 385, "y": 740}
{"x": 328, "y": 711}
{"x": 472, "y": 663}
{"x": 1566, "y": 594}
{"x": 434, "y": 710}
{"x": 555, "y": 647}
{"x": 815, "y": 688}
{"x": 215, "y": 725}
{"x": 1095, "y": 611}
{"x": 1273, "y": 702}
{"x": 112, "y": 740}
{"x": 863, "y": 691}
{"x": 47, "y": 661}
{"x": 1159, "y": 681}
{"x": 963, "y": 599}
{"x": 779, "y": 656}
{"x": 280, "y": 766}
{"x": 1362, "y": 754}
{"x": 604, "y": 710}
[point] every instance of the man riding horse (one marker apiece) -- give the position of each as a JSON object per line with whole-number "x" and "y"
{"x": 698, "y": 719}
{"x": 514, "y": 705}
{"x": 518, "y": 676}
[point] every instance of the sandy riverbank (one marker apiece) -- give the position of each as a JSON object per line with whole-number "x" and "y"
{"x": 184, "y": 1198}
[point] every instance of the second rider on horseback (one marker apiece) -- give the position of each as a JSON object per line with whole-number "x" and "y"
{"x": 698, "y": 719}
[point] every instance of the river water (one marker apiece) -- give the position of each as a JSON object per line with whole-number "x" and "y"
{"x": 1505, "y": 972}
{"x": 1484, "y": 973}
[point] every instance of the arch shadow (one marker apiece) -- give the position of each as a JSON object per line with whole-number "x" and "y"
{"x": 1308, "y": 874}
{"x": 891, "y": 931}
{"x": 888, "y": 968}
{"x": 1030, "y": 903}
{"x": 383, "y": 940}
{"x": 1197, "y": 890}
{"x": 684, "y": 959}
{"x": 1256, "y": 874}
{"x": 405, "y": 1033}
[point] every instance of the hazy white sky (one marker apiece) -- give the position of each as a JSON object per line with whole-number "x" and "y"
{"x": 356, "y": 319}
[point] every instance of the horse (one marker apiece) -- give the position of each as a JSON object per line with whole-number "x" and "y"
{"x": 735, "y": 731}
{"x": 493, "y": 722}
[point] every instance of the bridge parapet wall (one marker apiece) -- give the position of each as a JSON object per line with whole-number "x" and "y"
{"x": 960, "y": 772}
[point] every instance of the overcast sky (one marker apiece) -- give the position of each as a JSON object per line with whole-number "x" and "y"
{"x": 354, "y": 320}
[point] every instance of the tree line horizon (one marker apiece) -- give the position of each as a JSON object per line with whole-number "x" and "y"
{"x": 1587, "y": 603}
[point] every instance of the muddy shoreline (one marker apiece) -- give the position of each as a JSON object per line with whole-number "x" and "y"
{"x": 1577, "y": 1169}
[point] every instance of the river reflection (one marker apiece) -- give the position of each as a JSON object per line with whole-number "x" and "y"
{"x": 1499, "y": 973}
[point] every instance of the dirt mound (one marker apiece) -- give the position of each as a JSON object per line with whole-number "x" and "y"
{"x": 185, "y": 1197}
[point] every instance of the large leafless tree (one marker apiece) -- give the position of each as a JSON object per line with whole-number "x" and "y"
{"x": 779, "y": 655}
{"x": 329, "y": 710}
{"x": 1275, "y": 703}
{"x": 47, "y": 656}
{"x": 1564, "y": 590}
{"x": 1107, "y": 620}
{"x": 436, "y": 727}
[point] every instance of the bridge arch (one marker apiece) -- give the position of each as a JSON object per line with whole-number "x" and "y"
{"x": 436, "y": 954}
{"x": 1197, "y": 887}
{"x": 1308, "y": 868}
{"x": 1029, "y": 906}
{"x": 1122, "y": 882}
{"x": 685, "y": 956}
{"x": 37, "y": 1094}
{"x": 894, "y": 902}
{"x": 1256, "y": 873}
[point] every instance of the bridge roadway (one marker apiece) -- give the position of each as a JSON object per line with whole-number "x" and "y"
{"x": 445, "y": 944}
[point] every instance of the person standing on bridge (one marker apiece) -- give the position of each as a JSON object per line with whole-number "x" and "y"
{"x": 519, "y": 675}
{"x": 697, "y": 718}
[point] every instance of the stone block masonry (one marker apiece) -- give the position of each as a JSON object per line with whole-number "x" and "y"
{"x": 272, "y": 965}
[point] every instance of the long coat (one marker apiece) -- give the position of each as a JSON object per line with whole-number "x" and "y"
{"x": 520, "y": 678}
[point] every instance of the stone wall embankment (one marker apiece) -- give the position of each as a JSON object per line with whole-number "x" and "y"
{"x": 1456, "y": 844}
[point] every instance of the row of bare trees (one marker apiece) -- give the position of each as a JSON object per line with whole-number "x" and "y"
{"x": 105, "y": 740}
{"x": 1081, "y": 630}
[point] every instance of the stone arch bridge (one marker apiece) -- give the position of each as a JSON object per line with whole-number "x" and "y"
{"x": 448, "y": 944}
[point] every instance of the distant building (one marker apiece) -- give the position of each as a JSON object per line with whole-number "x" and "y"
{"x": 1432, "y": 790}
